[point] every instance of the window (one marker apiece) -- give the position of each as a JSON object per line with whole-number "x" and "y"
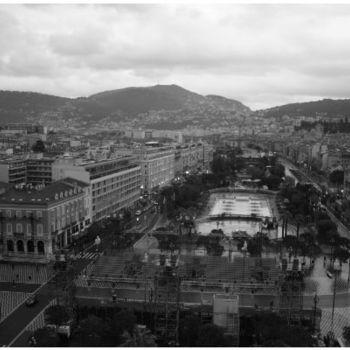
{"x": 28, "y": 213}
{"x": 18, "y": 214}
{"x": 10, "y": 246}
{"x": 19, "y": 228}
{"x": 39, "y": 214}
{"x": 39, "y": 229}
{"x": 8, "y": 213}
{"x": 29, "y": 229}
{"x": 9, "y": 228}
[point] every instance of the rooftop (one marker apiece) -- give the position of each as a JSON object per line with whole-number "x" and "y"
{"x": 42, "y": 195}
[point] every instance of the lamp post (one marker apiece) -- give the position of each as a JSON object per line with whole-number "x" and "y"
{"x": 316, "y": 300}
{"x": 334, "y": 294}
{"x": 332, "y": 241}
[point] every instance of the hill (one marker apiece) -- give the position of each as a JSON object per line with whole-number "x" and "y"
{"x": 18, "y": 106}
{"x": 133, "y": 101}
{"x": 160, "y": 106}
{"x": 325, "y": 107}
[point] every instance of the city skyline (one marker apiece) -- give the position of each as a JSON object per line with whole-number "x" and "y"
{"x": 262, "y": 55}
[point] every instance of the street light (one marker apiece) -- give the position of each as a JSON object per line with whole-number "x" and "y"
{"x": 334, "y": 295}
{"x": 332, "y": 241}
{"x": 316, "y": 300}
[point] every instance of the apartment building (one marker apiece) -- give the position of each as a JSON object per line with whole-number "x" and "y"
{"x": 114, "y": 184}
{"x": 157, "y": 164}
{"x": 39, "y": 169}
{"x": 193, "y": 156}
{"x": 13, "y": 170}
{"x": 38, "y": 221}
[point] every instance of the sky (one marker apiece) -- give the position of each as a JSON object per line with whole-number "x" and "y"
{"x": 260, "y": 54}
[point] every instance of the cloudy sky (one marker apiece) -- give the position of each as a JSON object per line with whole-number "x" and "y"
{"x": 260, "y": 54}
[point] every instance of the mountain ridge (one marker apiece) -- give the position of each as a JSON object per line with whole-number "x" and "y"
{"x": 152, "y": 105}
{"x": 326, "y": 107}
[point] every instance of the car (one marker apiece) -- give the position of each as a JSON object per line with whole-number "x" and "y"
{"x": 32, "y": 300}
{"x": 138, "y": 212}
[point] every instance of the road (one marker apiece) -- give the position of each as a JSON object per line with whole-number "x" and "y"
{"x": 11, "y": 326}
{"x": 16, "y": 322}
{"x": 342, "y": 229}
{"x": 104, "y": 296}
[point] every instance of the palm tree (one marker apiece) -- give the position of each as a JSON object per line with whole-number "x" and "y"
{"x": 141, "y": 337}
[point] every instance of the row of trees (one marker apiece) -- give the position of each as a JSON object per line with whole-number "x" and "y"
{"x": 92, "y": 331}
{"x": 104, "y": 327}
{"x": 268, "y": 329}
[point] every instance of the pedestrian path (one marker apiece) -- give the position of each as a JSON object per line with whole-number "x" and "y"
{"x": 341, "y": 319}
{"x": 9, "y": 301}
{"x": 22, "y": 273}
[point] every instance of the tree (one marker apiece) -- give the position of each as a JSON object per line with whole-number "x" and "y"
{"x": 327, "y": 230}
{"x": 210, "y": 335}
{"x": 188, "y": 333}
{"x": 124, "y": 321}
{"x": 38, "y": 147}
{"x": 45, "y": 337}
{"x": 93, "y": 332}
{"x": 254, "y": 246}
{"x": 141, "y": 338}
{"x": 337, "y": 177}
{"x": 272, "y": 330}
{"x": 346, "y": 333}
{"x": 56, "y": 315}
{"x": 256, "y": 172}
{"x": 341, "y": 254}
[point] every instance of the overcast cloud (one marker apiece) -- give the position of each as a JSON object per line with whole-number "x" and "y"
{"x": 262, "y": 55}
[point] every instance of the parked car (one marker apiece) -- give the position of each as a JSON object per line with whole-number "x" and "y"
{"x": 138, "y": 212}
{"x": 32, "y": 300}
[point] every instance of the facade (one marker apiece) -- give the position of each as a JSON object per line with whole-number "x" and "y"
{"x": 37, "y": 222}
{"x": 34, "y": 170}
{"x": 194, "y": 156}
{"x": 13, "y": 171}
{"x": 114, "y": 184}
{"x": 24, "y": 127}
{"x": 157, "y": 165}
{"x": 39, "y": 170}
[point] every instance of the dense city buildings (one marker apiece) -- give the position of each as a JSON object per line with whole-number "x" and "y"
{"x": 36, "y": 222}
{"x": 114, "y": 184}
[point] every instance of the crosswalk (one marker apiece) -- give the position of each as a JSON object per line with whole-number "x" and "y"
{"x": 9, "y": 301}
{"x": 90, "y": 256}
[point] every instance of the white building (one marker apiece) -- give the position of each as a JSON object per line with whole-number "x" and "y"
{"x": 114, "y": 184}
{"x": 157, "y": 164}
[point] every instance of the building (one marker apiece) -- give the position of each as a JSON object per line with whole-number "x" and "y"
{"x": 192, "y": 157}
{"x": 26, "y": 128}
{"x": 13, "y": 170}
{"x": 39, "y": 169}
{"x": 37, "y": 222}
{"x": 157, "y": 164}
{"x": 226, "y": 314}
{"x": 114, "y": 184}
